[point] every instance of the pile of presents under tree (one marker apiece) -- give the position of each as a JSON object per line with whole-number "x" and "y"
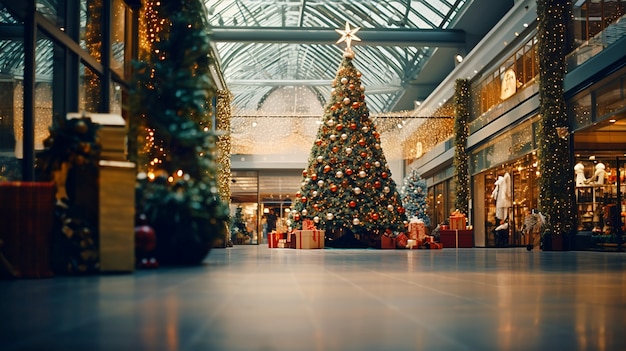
{"x": 312, "y": 238}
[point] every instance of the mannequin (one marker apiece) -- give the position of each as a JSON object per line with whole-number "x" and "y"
{"x": 598, "y": 176}
{"x": 579, "y": 171}
{"x": 502, "y": 195}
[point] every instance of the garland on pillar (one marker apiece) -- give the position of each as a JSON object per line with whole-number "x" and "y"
{"x": 224, "y": 114}
{"x": 461, "y": 132}
{"x": 555, "y": 182}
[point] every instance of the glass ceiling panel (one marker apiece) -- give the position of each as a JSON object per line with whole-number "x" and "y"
{"x": 254, "y": 70}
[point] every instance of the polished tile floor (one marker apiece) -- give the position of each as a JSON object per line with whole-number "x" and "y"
{"x": 254, "y": 298}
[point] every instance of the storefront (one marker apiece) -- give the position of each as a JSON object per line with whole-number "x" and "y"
{"x": 598, "y": 115}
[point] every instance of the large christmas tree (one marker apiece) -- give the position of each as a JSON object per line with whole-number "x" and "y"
{"x": 347, "y": 187}
{"x": 414, "y": 191}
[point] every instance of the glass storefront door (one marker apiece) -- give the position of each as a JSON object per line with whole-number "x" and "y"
{"x": 260, "y": 203}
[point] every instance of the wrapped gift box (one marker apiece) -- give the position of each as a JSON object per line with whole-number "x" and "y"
{"x": 458, "y": 221}
{"x": 387, "y": 242}
{"x": 402, "y": 241}
{"x": 309, "y": 239}
{"x": 417, "y": 230}
{"x": 308, "y": 224}
{"x": 291, "y": 241}
{"x": 457, "y": 238}
{"x": 273, "y": 238}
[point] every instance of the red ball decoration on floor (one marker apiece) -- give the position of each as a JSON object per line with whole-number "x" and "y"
{"x": 145, "y": 239}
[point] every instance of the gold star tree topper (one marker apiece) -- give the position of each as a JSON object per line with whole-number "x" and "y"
{"x": 348, "y": 35}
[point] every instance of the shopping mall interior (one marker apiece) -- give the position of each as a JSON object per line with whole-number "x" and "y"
{"x": 312, "y": 174}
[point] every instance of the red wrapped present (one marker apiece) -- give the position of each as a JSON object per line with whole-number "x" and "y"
{"x": 402, "y": 241}
{"x": 387, "y": 242}
{"x": 435, "y": 246}
{"x": 309, "y": 239}
{"x": 291, "y": 241}
{"x": 273, "y": 238}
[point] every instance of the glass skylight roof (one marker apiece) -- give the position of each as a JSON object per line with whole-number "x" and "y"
{"x": 254, "y": 70}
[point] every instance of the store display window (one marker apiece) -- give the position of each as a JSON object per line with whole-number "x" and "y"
{"x": 600, "y": 205}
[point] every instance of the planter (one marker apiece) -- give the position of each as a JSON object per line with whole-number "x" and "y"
{"x": 28, "y": 214}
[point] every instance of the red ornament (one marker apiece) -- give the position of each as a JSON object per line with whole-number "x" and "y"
{"x": 355, "y": 105}
{"x": 376, "y": 135}
{"x": 362, "y": 142}
{"x": 318, "y": 142}
{"x": 303, "y": 199}
{"x": 400, "y": 210}
{"x": 296, "y": 216}
{"x": 367, "y": 165}
{"x": 333, "y": 108}
{"x": 298, "y": 194}
{"x": 353, "y": 126}
{"x": 145, "y": 239}
{"x": 313, "y": 176}
{"x": 375, "y": 216}
{"x": 304, "y": 173}
{"x": 351, "y": 86}
{"x": 326, "y": 169}
{"x": 333, "y": 188}
{"x": 352, "y": 204}
{"x": 335, "y": 149}
{"x": 348, "y": 171}
{"x": 384, "y": 175}
{"x": 339, "y": 126}
{"x": 363, "y": 154}
{"x": 377, "y": 184}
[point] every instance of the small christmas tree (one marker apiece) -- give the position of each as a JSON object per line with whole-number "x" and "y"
{"x": 347, "y": 187}
{"x": 413, "y": 192}
{"x": 238, "y": 229}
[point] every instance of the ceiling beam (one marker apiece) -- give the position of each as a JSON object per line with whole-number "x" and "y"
{"x": 370, "y": 37}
